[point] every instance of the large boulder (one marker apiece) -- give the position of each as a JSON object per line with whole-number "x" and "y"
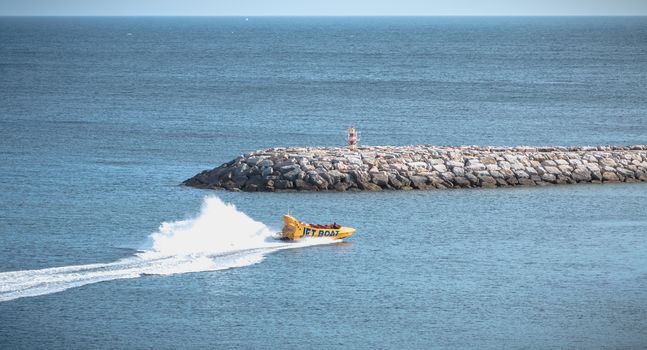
{"x": 283, "y": 184}
{"x": 314, "y": 179}
{"x": 381, "y": 179}
{"x": 288, "y": 168}
{"x": 371, "y": 187}
{"x": 302, "y": 185}
{"x": 460, "y": 181}
{"x": 458, "y": 171}
{"x": 341, "y": 186}
{"x": 267, "y": 171}
{"x": 394, "y": 182}
{"x": 581, "y": 174}
{"x": 418, "y": 182}
{"x": 292, "y": 174}
{"x": 361, "y": 179}
{"x": 610, "y": 177}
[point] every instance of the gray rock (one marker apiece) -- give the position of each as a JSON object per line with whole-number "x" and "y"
{"x": 487, "y": 181}
{"x": 521, "y": 175}
{"x": 488, "y": 160}
{"x": 394, "y": 182}
{"x": 284, "y": 163}
{"x": 460, "y": 181}
{"x": 241, "y": 170}
{"x": 453, "y": 164}
{"x": 341, "y": 186}
{"x": 253, "y": 161}
{"x": 267, "y": 171}
{"x": 289, "y": 168}
{"x": 501, "y": 182}
{"x": 476, "y": 167}
{"x": 292, "y": 174}
{"x": 302, "y": 185}
{"x": 581, "y": 174}
{"x": 381, "y": 179}
{"x": 610, "y": 177}
{"x": 472, "y": 178}
{"x": 419, "y": 182}
{"x": 496, "y": 174}
{"x": 565, "y": 169}
{"x": 361, "y": 179}
{"x": 404, "y": 180}
{"x": 354, "y": 160}
{"x": 440, "y": 168}
{"x": 414, "y": 165}
{"x": 266, "y": 163}
{"x": 626, "y": 173}
{"x": 371, "y": 187}
{"x": 531, "y": 171}
{"x": 240, "y": 180}
{"x": 548, "y": 178}
{"x": 335, "y": 176}
{"x": 447, "y": 176}
{"x": 526, "y": 182}
{"x": 341, "y": 166}
{"x": 316, "y": 180}
{"x": 283, "y": 184}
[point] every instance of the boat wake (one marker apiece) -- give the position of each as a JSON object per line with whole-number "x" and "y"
{"x": 220, "y": 237}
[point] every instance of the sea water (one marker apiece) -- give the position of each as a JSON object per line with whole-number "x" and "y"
{"x": 102, "y": 118}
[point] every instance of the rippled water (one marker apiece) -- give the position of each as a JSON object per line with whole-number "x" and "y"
{"x": 102, "y": 118}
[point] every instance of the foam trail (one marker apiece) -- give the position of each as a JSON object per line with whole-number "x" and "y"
{"x": 220, "y": 237}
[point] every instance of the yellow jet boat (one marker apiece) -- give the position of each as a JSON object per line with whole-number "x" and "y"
{"x": 294, "y": 229}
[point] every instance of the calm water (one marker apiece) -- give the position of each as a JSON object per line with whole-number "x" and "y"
{"x": 102, "y": 118}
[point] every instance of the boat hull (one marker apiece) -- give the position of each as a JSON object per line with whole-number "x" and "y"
{"x": 294, "y": 230}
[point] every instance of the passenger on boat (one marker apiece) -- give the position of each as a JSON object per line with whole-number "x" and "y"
{"x": 329, "y": 226}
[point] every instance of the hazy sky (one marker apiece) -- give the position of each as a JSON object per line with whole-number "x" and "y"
{"x": 323, "y": 7}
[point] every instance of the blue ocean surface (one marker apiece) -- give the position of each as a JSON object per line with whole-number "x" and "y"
{"x": 101, "y": 119}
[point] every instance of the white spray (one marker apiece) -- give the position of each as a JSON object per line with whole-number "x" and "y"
{"x": 220, "y": 237}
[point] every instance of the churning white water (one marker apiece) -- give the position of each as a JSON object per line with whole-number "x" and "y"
{"x": 220, "y": 237}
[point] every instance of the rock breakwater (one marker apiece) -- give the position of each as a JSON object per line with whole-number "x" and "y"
{"x": 375, "y": 168}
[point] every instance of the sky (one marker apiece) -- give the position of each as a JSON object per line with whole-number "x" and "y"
{"x": 323, "y": 8}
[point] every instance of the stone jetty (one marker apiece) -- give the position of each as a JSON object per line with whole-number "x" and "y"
{"x": 375, "y": 168}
